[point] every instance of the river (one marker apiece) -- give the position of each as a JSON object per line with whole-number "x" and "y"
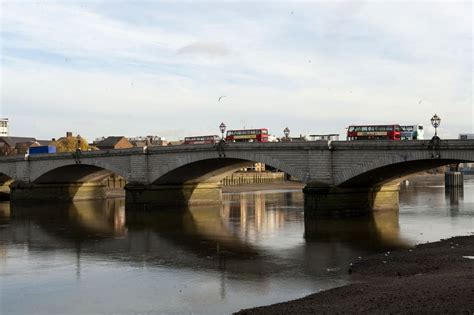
{"x": 255, "y": 249}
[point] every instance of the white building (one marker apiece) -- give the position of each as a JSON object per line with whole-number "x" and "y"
{"x": 466, "y": 136}
{"x": 412, "y": 132}
{"x": 4, "y": 127}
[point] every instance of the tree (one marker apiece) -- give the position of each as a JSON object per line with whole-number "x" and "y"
{"x": 71, "y": 144}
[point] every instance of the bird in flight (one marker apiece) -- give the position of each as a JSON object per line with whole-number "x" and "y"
{"x": 221, "y": 97}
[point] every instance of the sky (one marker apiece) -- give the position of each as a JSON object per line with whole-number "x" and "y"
{"x": 136, "y": 68}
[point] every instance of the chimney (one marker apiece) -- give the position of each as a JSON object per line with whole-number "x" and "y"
{"x": 68, "y": 134}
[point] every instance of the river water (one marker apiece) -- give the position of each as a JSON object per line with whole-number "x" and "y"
{"x": 255, "y": 249}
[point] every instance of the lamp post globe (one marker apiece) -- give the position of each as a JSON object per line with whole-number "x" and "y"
{"x": 222, "y": 127}
{"x": 286, "y": 131}
{"x": 435, "y": 122}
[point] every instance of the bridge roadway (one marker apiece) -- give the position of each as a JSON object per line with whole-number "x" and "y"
{"x": 341, "y": 177}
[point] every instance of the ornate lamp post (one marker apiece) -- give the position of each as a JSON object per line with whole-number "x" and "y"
{"x": 435, "y": 122}
{"x": 222, "y": 127}
{"x": 286, "y": 131}
{"x": 78, "y": 147}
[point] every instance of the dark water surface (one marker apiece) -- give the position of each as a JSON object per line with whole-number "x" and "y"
{"x": 256, "y": 249}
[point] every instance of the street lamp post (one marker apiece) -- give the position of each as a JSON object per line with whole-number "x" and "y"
{"x": 78, "y": 147}
{"x": 222, "y": 127}
{"x": 286, "y": 131}
{"x": 435, "y": 122}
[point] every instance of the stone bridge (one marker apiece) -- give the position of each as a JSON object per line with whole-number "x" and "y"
{"x": 339, "y": 175}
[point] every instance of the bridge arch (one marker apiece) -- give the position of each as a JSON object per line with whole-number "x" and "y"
{"x": 75, "y": 173}
{"x": 207, "y": 167}
{"x": 389, "y": 168}
{"x": 69, "y": 171}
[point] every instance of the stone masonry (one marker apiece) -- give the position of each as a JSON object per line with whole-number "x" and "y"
{"x": 361, "y": 167}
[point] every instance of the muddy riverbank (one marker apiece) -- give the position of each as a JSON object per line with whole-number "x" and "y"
{"x": 429, "y": 278}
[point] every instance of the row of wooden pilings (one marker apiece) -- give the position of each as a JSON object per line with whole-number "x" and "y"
{"x": 253, "y": 178}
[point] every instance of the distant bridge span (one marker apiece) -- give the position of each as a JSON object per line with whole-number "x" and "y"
{"x": 191, "y": 173}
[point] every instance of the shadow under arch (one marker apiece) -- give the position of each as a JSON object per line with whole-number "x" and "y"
{"x": 193, "y": 183}
{"x": 207, "y": 170}
{"x": 65, "y": 183}
{"x": 74, "y": 173}
{"x": 390, "y": 174}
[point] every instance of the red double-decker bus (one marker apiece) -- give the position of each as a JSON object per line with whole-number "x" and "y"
{"x": 201, "y": 140}
{"x": 374, "y": 132}
{"x": 247, "y": 135}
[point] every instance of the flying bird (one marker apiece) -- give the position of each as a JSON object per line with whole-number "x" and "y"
{"x": 221, "y": 97}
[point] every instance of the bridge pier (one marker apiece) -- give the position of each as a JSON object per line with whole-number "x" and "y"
{"x": 337, "y": 202}
{"x": 453, "y": 179}
{"x": 57, "y": 191}
{"x": 174, "y": 195}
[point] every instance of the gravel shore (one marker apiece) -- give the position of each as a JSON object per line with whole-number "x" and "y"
{"x": 429, "y": 278}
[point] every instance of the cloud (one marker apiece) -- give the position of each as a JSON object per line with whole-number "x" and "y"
{"x": 133, "y": 70}
{"x": 204, "y": 48}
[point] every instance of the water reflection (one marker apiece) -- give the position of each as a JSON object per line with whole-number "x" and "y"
{"x": 4, "y": 213}
{"x": 85, "y": 220}
{"x": 251, "y": 216}
{"x": 454, "y": 195}
{"x": 379, "y": 230}
{"x": 254, "y": 249}
{"x": 253, "y": 230}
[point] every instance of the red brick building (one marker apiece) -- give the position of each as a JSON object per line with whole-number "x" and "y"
{"x": 115, "y": 142}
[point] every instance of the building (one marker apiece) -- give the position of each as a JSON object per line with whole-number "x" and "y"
{"x": 466, "y": 136}
{"x": 329, "y": 137}
{"x": 412, "y": 132}
{"x": 148, "y": 141}
{"x": 4, "y": 127}
{"x": 114, "y": 142}
{"x": 18, "y": 145}
{"x": 256, "y": 167}
{"x": 175, "y": 142}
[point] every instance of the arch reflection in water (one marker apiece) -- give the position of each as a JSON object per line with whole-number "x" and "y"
{"x": 252, "y": 216}
{"x": 379, "y": 230}
{"x": 247, "y": 252}
{"x": 84, "y": 220}
{"x": 4, "y": 212}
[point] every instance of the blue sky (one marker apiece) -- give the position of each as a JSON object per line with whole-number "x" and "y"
{"x": 132, "y": 68}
